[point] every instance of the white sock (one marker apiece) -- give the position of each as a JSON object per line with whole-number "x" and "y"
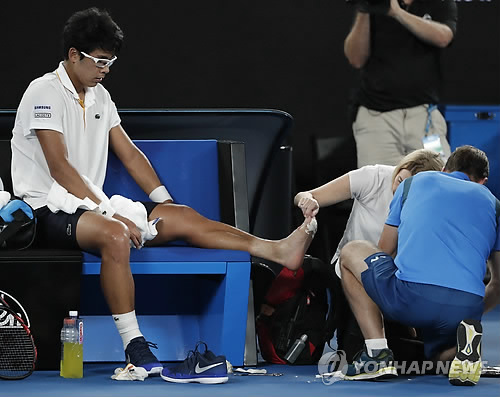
{"x": 372, "y": 345}
{"x": 127, "y": 326}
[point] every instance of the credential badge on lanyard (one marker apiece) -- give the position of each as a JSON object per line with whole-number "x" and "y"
{"x": 432, "y": 141}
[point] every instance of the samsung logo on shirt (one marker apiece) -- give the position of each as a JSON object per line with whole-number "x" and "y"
{"x": 42, "y": 107}
{"x": 43, "y": 115}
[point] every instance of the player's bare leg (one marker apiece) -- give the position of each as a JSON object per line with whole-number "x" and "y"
{"x": 181, "y": 222}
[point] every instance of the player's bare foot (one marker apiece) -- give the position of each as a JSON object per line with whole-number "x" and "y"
{"x": 293, "y": 248}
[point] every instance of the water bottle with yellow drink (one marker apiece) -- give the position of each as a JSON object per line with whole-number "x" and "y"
{"x": 72, "y": 347}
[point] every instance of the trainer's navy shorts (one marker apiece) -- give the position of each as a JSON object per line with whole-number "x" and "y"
{"x": 59, "y": 230}
{"x": 435, "y": 311}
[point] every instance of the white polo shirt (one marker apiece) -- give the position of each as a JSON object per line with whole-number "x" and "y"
{"x": 371, "y": 189}
{"x": 51, "y": 102}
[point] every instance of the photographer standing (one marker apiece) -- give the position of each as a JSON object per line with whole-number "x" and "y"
{"x": 397, "y": 46}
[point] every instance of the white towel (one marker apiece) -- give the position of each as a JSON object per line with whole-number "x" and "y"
{"x": 136, "y": 212}
{"x": 4, "y": 198}
{"x": 130, "y": 372}
{"x": 59, "y": 199}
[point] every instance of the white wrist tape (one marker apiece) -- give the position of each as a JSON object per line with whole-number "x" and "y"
{"x": 160, "y": 194}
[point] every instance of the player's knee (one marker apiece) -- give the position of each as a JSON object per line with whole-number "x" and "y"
{"x": 115, "y": 236}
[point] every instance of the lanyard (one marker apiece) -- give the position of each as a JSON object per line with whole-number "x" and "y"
{"x": 428, "y": 125}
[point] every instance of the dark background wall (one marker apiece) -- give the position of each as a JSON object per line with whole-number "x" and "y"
{"x": 282, "y": 54}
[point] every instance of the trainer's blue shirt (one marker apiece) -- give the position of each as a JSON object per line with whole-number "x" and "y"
{"x": 447, "y": 229}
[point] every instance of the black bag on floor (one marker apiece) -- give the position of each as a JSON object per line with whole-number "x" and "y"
{"x": 17, "y": 225}
{"x": 296, "y": 304}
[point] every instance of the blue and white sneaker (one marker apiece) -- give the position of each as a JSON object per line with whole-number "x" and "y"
{"x": 197, "y": 367}
{"x": 139, "y": 354}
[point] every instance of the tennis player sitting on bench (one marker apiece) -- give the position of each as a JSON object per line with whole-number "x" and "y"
{"x": 65, "y": 124}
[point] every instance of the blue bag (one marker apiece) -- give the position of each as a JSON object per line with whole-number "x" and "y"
{"x": 17, "y": 225}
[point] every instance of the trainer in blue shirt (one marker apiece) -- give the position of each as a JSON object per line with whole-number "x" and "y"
{"x": 445, "y": 229}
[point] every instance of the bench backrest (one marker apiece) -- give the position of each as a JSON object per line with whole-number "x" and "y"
{"x": 189, "y": 170}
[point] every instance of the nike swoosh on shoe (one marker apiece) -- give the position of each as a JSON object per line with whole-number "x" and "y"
{"x": 199, "y": 369}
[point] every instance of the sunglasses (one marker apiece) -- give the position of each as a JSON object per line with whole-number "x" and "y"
{"x": 99, "y": 62}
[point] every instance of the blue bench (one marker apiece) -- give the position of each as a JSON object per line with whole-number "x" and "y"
{"x": 183, "y": 294}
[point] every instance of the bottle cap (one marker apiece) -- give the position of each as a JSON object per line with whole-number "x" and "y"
{"x": 73, "y": 313}
{"x": 303, "y": 338}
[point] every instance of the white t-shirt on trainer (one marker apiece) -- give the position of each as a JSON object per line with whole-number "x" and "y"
{"x": 51, "y": 102}
{"x": 371, "y": 189}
